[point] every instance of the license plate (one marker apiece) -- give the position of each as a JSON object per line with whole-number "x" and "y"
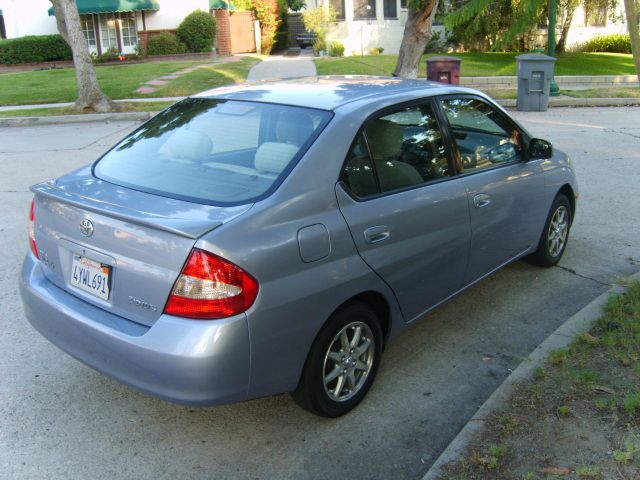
{"x": 90, "y": 276}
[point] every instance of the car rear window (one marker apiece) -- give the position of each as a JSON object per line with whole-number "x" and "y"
{"x": 220, "y": 152}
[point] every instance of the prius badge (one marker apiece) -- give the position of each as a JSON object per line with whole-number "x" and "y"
{"x": 86, "y": 227}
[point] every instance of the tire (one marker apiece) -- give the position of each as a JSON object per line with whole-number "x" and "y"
{"x": 334, "y": 380}
{"x": 555, "y": 234}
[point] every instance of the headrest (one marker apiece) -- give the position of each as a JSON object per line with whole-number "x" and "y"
{"x": 273, "y": 158}
{"x": 385, "y": 138}
{"x": 294, "y": 127}
{"x": 190, "y": 145}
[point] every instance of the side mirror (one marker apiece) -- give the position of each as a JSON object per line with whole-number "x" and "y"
{"x": 539, "y": 148}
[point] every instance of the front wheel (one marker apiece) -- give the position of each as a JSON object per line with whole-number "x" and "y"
{"x": 342, "y": 363}
{"x": 555, "y": 235}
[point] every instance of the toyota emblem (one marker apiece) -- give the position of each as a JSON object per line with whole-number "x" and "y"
{"x": 86, "y": 227}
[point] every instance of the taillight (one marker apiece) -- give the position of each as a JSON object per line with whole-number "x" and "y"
{"x": 32, "y": 229}
{"x": 211, "y": 287}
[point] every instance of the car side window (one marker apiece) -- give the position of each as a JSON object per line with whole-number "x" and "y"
{"x": 407, "y": 148}
{"x": 358, "y": 173}
{"x": 483, "y": 137}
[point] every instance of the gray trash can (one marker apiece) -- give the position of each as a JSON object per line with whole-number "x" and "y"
{"x": 535, "y": 72}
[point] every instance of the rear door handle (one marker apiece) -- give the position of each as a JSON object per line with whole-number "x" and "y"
{"x": 481, "y": 200}
{"x": 376, "y": 234}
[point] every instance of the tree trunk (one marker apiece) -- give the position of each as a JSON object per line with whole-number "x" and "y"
{"x": 90, "y": 96}
{"x": 417, "y": 33}
{"x": 631, "y": 10}
{"x": 632, "y": 24}
{"x": 564, "y": 33}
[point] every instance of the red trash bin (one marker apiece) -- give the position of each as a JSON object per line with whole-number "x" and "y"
{"x": 444, "y": 69}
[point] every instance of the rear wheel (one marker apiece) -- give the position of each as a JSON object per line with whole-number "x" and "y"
{"x": 342, "y": 363}
{"x": 555, "y": 235}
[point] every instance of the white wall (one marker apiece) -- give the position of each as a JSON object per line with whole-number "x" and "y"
{"x": 579, "y": 33}
{"x": 171, "y": 13}
{"x": 27, "y": 17}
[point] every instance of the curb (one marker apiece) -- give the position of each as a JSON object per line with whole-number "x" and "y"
{"x": 62, "y": 119}
{"x": 579, "y": 102}
{"x": 577, "y": 324}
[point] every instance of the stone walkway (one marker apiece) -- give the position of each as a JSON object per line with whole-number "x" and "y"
{"x": 280, "y": 66}
{"x": 152, "y": 86}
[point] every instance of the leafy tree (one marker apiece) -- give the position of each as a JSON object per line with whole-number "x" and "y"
{"x": 417, "y": 32}
{"x": 482, "y": 32}
{"x": 296, "y": 5}
{"x": 526, "y": 14}
{"x": 90, "y": 95}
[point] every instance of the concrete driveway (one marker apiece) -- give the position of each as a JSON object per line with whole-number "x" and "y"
{"x": 61, "y": 420}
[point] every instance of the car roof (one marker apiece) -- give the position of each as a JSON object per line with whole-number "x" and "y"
{"x": 329, "y": 92}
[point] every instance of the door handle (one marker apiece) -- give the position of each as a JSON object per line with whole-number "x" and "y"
{"x": 376, "y": 234}
{"x": 481, "y": 200}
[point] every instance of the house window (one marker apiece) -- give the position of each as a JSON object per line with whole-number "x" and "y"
{"x": 338, "y": 6}
{"x": 89, "y": 30}
{"x": 129, "y": 29}
{"x": 364, "y": 9}
{"x": 595, "y": 16}
{"x": 390, "y": 8}
{"x": 108, "y": 31}
{"x": 3, "y": 31}
{"x": 403, "y": 3}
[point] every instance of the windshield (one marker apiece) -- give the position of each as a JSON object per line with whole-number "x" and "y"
{"x": 213, "y": 151}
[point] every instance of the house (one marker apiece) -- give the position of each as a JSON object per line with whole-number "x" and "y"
{"x": 363, "y": 25}
{"x": 118, "y": 24}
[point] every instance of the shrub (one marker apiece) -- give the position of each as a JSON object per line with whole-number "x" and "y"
{"x": 318, "y": 20}
{"x": 269, "y": 24}
{"x": 612, "y": 43}
{"x": 377, "y": 51}
{"x": 165, "y": 43}
{"x": 337, "y": 49}
{"x": 31, "y": 49}
{"x": 110, "y": 55}
{"x": 198, "y": 31}
{"x": 319, "y": 46}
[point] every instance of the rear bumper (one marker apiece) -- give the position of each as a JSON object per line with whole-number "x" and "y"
{"x": 193, "y": 362}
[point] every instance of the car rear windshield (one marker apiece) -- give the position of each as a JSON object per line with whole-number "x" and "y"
{"x": 220, "y": 152}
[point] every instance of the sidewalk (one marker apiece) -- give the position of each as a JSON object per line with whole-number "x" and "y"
{"x": 284, "y": 66}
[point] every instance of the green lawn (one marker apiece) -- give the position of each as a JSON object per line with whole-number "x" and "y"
{"x": 483, "y": 64}
{"x": 207, "y": 77}
{"x": 611, "y": 92}
{"x": 579, "y": 418}
{"x": 117, "y": 81}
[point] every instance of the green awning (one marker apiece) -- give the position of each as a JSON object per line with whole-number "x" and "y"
{"x": 221, "y": 5}
{"x": 110, "y": 6}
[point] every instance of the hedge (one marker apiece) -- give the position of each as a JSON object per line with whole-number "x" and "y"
{"x": 611, "y": 43}
{"x": 34, "y": 49}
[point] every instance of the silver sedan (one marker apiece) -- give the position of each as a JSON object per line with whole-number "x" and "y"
{"x": 274, "y": 238}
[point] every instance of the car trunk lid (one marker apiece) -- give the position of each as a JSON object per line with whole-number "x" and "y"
{"x": 139, "y": 240}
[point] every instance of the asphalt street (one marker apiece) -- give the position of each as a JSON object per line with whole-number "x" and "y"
{"x": 61, "y": 420}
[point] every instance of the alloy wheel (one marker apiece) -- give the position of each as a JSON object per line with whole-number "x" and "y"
{"x": 558, "y": 230}
{"x": 348, "y": 361}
